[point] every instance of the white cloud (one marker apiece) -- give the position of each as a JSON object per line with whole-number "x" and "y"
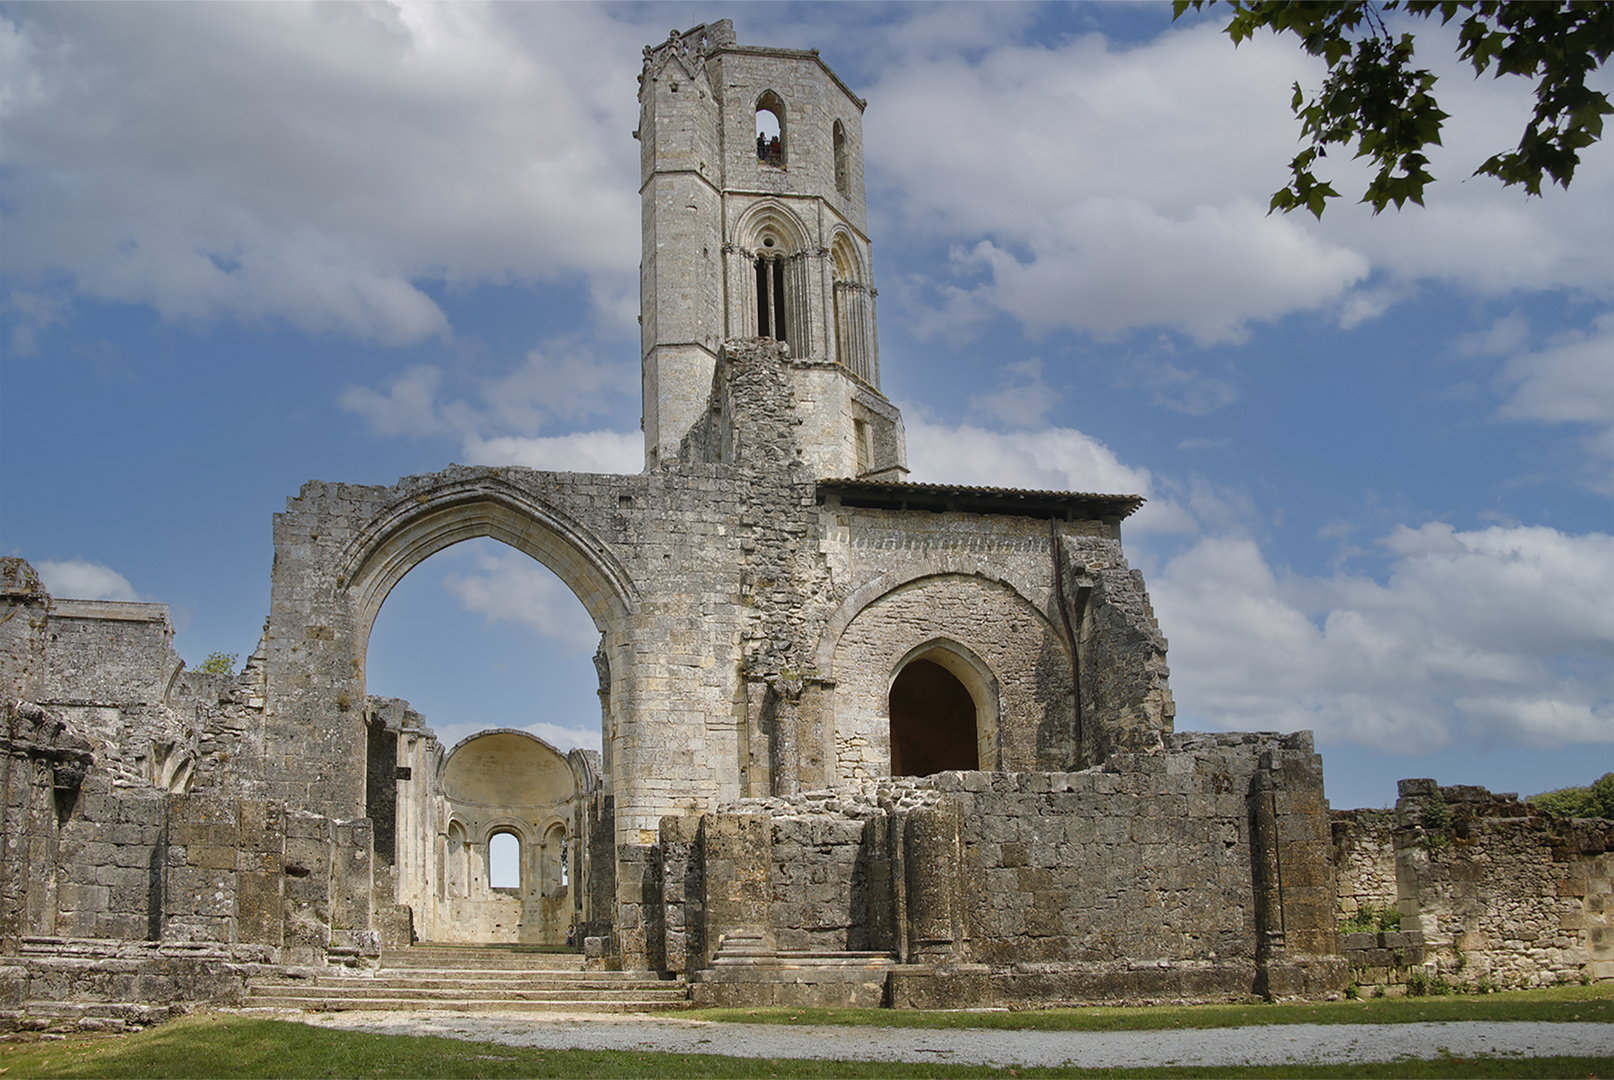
{"x": 500, "y": 427}
{"x": 313, "y": 163}
{"x": 1105, "y": 189}
{"x": 583, "y": 451}
{"x": 1572, "y": 380}
{"x": 510, "y": 587}
{"x": 1501, "y": 635}
{"x": 77, "y": 579}
{"x": 561, "y": 738}
{"x": 1048, "y": 459}
{"x": 1022, "y": 399}
{"x": 319, "y": 163}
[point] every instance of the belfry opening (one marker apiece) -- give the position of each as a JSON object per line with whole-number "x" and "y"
{"x": 933, "y": 721}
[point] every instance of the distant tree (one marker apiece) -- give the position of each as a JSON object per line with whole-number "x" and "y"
{"x": 219, "y": 663}
{"x": 1594, "y": 801}
{"x": 1375, "y": 98}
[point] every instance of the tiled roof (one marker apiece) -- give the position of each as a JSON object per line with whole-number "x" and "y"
{"x": 1068, "y": 505}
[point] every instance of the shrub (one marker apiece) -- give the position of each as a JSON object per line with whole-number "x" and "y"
{"x": 219, "y": 663}
{"x": 1594, "y": 801}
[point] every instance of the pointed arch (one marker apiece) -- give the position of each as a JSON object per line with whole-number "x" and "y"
{"x": 779, "y": 248}
{"x": 420, "y": 524}
{"x": 854, "y": 310}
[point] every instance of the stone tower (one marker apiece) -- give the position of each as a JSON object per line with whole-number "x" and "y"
{"x": 755, "y": 226}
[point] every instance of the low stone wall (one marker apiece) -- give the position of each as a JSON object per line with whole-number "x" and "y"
{"x": 1382, "y": 961}
{"x": 84, "y": 984}
{"x": 1499, "y": 893}
{"x": 1196, "y": 873}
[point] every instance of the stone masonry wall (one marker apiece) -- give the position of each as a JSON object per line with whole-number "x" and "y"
{"x": 1364, "y": 860}
{"x": 1137, "y": 880}
{"x": 1503, "y": 894}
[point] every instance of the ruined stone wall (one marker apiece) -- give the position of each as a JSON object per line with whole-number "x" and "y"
{"x": 1503, "y": 894}
{"x": 24, "y": 605}
{"x": 1364, "y": 860}
{"x": 1200, "y": 873}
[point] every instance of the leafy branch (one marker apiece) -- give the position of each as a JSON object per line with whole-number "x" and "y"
{"x": 1375, "y": 98}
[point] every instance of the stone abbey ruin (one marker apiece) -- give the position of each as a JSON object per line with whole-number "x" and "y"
{"x": 865, "y": 741}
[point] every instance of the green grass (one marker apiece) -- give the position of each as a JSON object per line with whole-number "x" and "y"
{"x": 1591, "y": 1004}
{"x": 239, "y": 1046}
{"x": 220, "y": 1045}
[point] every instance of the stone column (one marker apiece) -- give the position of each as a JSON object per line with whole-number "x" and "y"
{"x": 932, "y": 863}
{"x": 737, "y": 895}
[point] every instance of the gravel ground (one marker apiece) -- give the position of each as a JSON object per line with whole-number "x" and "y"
{"x": 1275, "y": 1045}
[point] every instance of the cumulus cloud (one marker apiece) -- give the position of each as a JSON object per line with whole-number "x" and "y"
{"x": 1021, "y": 400}
{"x": 1571, "y": 380}
{"x": 510, "y": 587}
{"x": 499, "y": 423}
{"x": 1031, "y": 161}
{"x": 1501, "y": 635}
{"x": 561, "y": 738}
{"x": 77, "y": 579}
{"x": 315, "y": 163}
{"x": 582, "y": 451}
{"x": 318, "y": 164}
{"x": 1047, "y": 459}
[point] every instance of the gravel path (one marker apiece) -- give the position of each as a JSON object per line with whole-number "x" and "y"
{"x": 1275, "y": 1045}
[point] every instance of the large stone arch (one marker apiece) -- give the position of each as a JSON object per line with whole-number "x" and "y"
{"x": 1006, "y": 647}
{"x": 412, "y": 529}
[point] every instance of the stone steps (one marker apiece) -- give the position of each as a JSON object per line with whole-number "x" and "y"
{"x": 469, "y": 978}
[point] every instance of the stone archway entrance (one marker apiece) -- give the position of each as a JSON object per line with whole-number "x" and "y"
{"x": 933, "y": 721}
{"x": 435, "y": 813}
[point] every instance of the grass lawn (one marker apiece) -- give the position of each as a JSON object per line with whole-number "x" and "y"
{"x": 224, "y": 1045}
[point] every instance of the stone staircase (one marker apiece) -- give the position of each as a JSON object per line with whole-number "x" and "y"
{"x": 467, "y": 978}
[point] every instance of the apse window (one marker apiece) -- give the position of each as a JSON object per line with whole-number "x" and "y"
{"x": 771, "y": 130}
{"x": 504, "y": 862}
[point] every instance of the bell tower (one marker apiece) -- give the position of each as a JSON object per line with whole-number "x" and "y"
{"x": 755, "y": 225}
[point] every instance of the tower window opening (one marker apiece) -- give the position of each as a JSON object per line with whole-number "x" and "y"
{"x": 771, "y": 130}
{"x": 843, "y": 171}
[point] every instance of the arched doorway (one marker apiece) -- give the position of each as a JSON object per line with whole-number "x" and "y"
{"x": 933, "y": 721}
{"x": 441, "y": 850}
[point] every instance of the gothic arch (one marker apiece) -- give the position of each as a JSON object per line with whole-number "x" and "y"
{"x": 975, "y": 676}
{"x": 981, "y": 628}
{"x": 853, "y": 315}
{"x": 777, "y": 247}
{"x": 771, "y": 219}
{"x": 961, "y": 564}
{"x": 412, "y": 529}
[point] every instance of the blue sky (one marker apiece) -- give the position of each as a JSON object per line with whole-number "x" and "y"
{"x": 248, "y": 246}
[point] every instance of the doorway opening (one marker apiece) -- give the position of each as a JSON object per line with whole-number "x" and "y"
{"x": 933, "y": 721}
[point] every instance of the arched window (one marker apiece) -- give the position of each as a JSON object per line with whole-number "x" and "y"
{"x": 854, "y": 330}
{"x": 458, "y": 881}
{"x": 778, "y": 274}
{"x": 504, "y": 861}
{"x": 843, "y": 168}
{"x": 555, "y": 875}
{"x": 773, "y": 294}
{"x": 771, "y": 129}
{"x": 933, "y": 721}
